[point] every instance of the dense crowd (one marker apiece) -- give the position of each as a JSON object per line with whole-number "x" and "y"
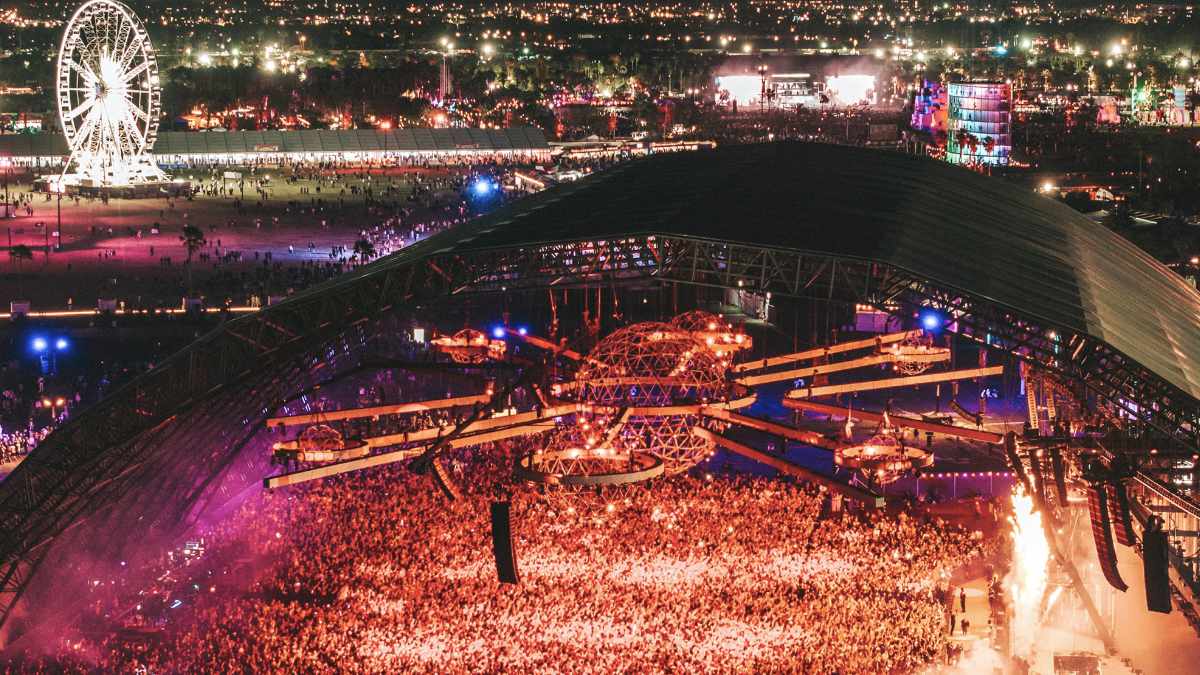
{"x": 375, "y": 572}
{"x": 16, "y": 443}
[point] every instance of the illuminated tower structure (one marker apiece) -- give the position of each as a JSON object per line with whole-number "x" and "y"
{"x": 930, "y": 109}
{"x": 980, "y": 123}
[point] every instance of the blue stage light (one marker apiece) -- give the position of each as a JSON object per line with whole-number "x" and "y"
{"x": 483, "y": 187}
{"x": 61, "y": 344}
{"x": 523, "y": 330}
{"x": 498, "y": 332}
{"x": 931, "y": 321}
{"x": 39, "y": 344}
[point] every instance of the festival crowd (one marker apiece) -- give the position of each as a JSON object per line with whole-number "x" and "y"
{"x": 376, "y": 572}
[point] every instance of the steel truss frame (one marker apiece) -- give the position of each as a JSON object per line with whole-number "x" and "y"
{"x": 92, "y": 462}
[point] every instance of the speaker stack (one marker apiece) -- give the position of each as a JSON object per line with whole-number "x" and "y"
{"x": 1154, "y": 563}
{"x": 446, "y": 484}
{"x": 502, "y": 546}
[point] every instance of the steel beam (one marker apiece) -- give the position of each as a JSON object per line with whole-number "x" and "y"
{"x": 893, "y": 382}
{"x": 394, "y": 456}
{"x": 804, "y": 436}
{"x": 376, "y": 411}
{"x": 898, "y": 420}
{"x": 836, "y": 367}
{"x": 790, "y": 468}
{"x": 821, "y": 352}
{"x": 543, "y": 343}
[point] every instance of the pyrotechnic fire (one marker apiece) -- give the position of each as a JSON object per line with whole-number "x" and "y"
{"x": 1027, "y": 580}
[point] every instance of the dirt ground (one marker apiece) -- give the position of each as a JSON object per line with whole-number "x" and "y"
{"x": 111, "y": 248}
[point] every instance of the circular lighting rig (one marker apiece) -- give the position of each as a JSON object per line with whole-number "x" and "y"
{"x": 469, "y": 346}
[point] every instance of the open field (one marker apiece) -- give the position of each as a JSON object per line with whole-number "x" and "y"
{"x": 110, "y": 249}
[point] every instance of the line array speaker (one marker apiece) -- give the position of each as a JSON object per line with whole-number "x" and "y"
{"x": 502, "y": 547}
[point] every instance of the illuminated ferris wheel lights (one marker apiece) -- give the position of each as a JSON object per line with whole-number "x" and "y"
{"x": 108, "y": 98}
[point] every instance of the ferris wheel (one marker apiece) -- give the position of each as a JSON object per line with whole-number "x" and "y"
{"x": 108, "y": 96}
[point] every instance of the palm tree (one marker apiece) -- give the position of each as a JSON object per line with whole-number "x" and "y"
{"x": 193, "y": 240}
{"x": 19, "y": 254}
{"x": 364, "y": 249}
{"x": 961, "y": 137}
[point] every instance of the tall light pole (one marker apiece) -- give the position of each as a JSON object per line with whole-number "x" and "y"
{"x": 444, "y": 80}
{"x": 764, "y": 92}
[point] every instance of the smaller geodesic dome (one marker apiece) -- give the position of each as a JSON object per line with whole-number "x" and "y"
{"x": 714, "y": 332}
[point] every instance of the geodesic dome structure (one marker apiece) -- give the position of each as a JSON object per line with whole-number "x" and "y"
{"x": 652, "y": 367}
{"x": 713, "y": 332}
{"x": 650, "y": 364}
{"x": 320, "y": 438}
{"x": 321, "y": 443}
{"x": 698, "y": 320}
{"x": 579, "y": 469}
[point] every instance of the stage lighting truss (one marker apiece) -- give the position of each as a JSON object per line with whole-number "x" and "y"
{"x": 470, "y": 346}
{"x": 321, "y": 443}
{"x": 648, "y": 400}
{"x": 915, "y": 354}
{"x": 883, "y": 459}
{"x": 108, "y": 97}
